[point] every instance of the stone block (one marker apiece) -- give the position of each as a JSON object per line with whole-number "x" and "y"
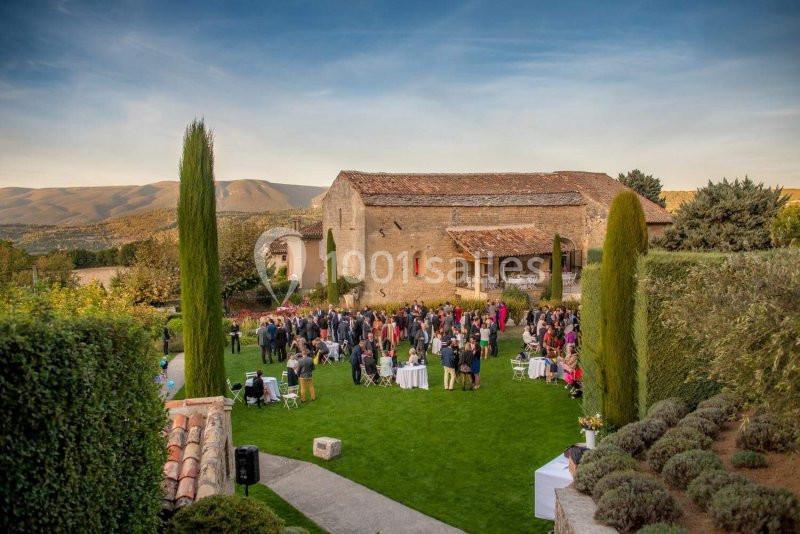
{"x": 327, "y": 448}
{"x": 575, "y": 514}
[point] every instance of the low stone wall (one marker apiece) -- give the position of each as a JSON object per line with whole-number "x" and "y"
{"x": 575, "y": 514}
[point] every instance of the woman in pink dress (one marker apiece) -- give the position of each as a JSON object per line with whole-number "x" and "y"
{"x": 503, "y": 316}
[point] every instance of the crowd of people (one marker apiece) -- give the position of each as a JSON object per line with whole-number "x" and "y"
{"x": 368, "y": 338}
{"x": 555, "y": 334}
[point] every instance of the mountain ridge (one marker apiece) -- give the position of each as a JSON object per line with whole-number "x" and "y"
{"x": 92, "y": 204}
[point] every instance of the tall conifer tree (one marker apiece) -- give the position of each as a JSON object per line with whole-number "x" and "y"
{"x": 556, "y": 280}
{"x": 626, "y": 240}
{"x": 330, "y": 264}
{"x": 203, "y": 339}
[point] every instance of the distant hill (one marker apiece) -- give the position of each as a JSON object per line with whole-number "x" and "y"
{"x": 85, "y": 205}
{"x": 116, "y": 231}
{"x": 676, "y": 198}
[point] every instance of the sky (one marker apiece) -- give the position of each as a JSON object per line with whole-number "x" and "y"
{"x": 99, "y": 93}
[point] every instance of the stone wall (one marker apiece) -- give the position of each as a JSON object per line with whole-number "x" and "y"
{"x": 343, "y": 212}
{"x": 575, "y": 514}
{"x": 403, "y": 232}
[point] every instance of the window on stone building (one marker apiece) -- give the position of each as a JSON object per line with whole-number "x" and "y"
{"x": 417, "y": 263}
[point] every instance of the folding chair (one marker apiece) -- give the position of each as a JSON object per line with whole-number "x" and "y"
{"x": 290, "y": 397}
{"x": 367, "y": 379}
{"x": 235, "y": 391}
{"x": 518, "y": 368}
{"x": 283, "y": 385}
{"x": 386, "y": 377}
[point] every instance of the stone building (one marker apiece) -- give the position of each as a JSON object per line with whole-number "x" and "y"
{"x": 440, "y": 235}
{"x": 302, "y": 254}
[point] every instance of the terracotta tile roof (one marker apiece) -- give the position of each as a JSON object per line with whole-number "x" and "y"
{"x": 278, "y": 247}
{"x": 198, "y": 455}
{"x": 312, "y": 231}
{"x": 508, "y": 240}
{"x": 520, "y": 189}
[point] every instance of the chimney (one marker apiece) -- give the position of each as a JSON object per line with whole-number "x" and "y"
{"x": 296, "y": 223}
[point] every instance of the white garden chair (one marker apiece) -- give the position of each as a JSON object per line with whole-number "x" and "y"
{"x": 283, "y": 385}
{"x": 235, "y": 392}
{"x": 290, "y": 397}
{"x": 366, "y": 378}
{"x": 386, "y": 375}
{"x": 518, "y": 369}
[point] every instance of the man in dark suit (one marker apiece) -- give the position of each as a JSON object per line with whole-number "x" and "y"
{"x": 355, "y": 362}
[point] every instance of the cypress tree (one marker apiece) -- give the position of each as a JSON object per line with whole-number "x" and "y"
{"x": 626, "y": 239}
{"x": 556, "y": 283}
{"x": 203, "y": 338}
{"x": 333, "y": 287}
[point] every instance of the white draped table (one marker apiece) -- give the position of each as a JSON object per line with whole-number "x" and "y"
{"x": 537, "y": 368}
{"x": 412, "y": 377}
{"x": 333, "y": 350}
{"x": 547, "y": 479}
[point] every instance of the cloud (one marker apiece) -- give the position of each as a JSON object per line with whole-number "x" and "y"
{"x": 434, "y": 99}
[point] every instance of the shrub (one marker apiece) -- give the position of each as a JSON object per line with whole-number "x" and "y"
{"x": 764, "y": 433}
{"x": 226, "y": 514}
{"x": 714, "y": 414}
{"x": 649, "y": 430}
{"x": 331, "y": 270}
{"x": 748, "y": 459}
{"x": 603, "y": 450}
{"x": 667, "y": 447}
{"x": 626, "y": 240}
{"x": 670, "y": 410}
{"x": 630, "y": 507}
{"x": 702, "y": 441}
{"x": 667, "y": 364}
{"x": 684, "y": 467}
{"x": 756, "y": 357}
{"x": 708, "y": 483}
{"x": 590, "y": 340}
{"x": 81, "y": 452}
{"x": 623, "y": 478}
{"x": 629, "y": 439}
{"x": 726, "y": 401}
{"x": 663, "y": 528}
{"x": 701, "y": 424}
{"x": 754, "y": 508}
{"x": 594, "y": 255}
{"x": 588, "y": 473}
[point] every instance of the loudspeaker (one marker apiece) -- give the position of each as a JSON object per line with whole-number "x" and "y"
{"x": 247, "y": 471}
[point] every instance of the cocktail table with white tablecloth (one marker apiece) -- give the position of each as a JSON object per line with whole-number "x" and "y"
{"x": 547, "y": 479}
{"x": 333, "y": 350}
{"x": 270, "y": 384}
{"x": 537, "y": 368}
{"x": 415, "y": 376}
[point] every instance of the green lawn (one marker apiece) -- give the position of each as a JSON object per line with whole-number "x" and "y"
{"x": 466, "y": 458}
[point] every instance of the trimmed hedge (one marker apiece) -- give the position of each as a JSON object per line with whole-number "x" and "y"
{"x": 663, "y": 528}
{"x": 226, "y": 513}
{"x": 81, "y": 435}
{"x": 590, "y": 340}
{"x": 754, "y": 508}
{"x": 669, "y": 410}
{"x": 749, "y": 459}
{"x": 624, "y": 478}
{"x": 668, "y": 365}
{"x": 701, "y": 424}
{"x": 708, "y": 483}
{"x": 589, "y": 473}
{"x": 630, "y": 507}
{"x": 684, "y": 467}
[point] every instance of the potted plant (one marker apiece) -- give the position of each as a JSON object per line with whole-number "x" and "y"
{"x": 589, "y": 426}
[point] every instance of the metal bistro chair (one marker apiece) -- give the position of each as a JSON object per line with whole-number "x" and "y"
{"x": 518, "y": 369}
{"x": 235, "y": 391}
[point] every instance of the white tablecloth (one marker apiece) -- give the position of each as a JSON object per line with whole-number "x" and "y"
{"x": 333, "y": 350}
{"x": 271, "y": 384}
{"x": 538, "y": 369}
{"x": 548, "y": 478}
{"x": 412, "y": 377}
